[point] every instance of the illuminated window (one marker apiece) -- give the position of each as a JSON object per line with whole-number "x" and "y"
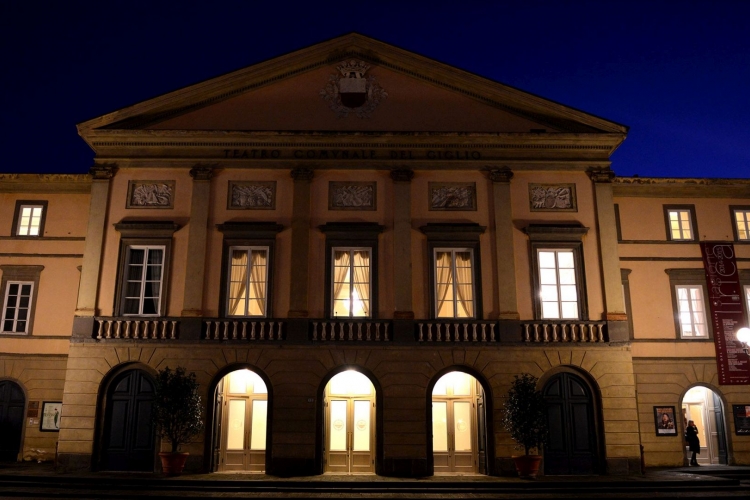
{"x": 681, "y": 224}
{"x": 17, "y": 306}
{"x": 454, "y": 283}
{"x": 29, "y": 218}
{"x": 351, "y": 282}
{"x": 558, "y": 289}
{"x": 742, "y": 224}
{"x": 691, "y": 311}
{"x": 144, "y": 270}
{"x": 248, "y": 281}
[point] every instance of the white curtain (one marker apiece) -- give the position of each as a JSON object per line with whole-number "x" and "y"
{"x": 238, "y": 283}
{"x": 362, "y": 278}
{"x": 341, "y": 263}
{"x": 444, "y": 280}
{"x": 464, "y": 289}
{"x": 258, "y": 268}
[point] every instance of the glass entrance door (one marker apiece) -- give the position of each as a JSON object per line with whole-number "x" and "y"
{"x": 245, "y": 417}
{"x": 350, "y": 429}
{"x": 454, "y": 424}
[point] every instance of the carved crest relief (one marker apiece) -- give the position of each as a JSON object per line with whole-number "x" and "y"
{"x": 251, "y": 195}
{"x": 352, "y": 195}
{"x": 352, "y": 91}
{"x": 150, "y": 194}
{"x": 552, "y": 198}
{"x": 453, "y": 195}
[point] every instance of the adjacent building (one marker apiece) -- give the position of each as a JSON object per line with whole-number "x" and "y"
{"x": 356, "y": 249}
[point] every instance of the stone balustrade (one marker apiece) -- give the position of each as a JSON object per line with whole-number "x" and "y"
{"x": 136, "y": 328}
{"x": 351, "y": 330}
{"x": 457, "y": 331}
{"x": 236, "y": 329}
{"x": 564, "y": 331}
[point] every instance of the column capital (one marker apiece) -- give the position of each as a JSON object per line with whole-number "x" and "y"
{"x": 202, "y": 172}
{"x": 302, "y": 174}
{"x": 601, "y": 174}
{"x": 402, "y": 174}
{"x": 499, "y": 174}
{"x": 103, "y": 171}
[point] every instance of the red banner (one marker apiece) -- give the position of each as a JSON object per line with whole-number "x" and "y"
{"x": 727, "y": 311}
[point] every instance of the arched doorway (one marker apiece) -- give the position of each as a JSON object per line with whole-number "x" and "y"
{"x": 703, "y": 406}
{"x": 129, "y": 438}
{"x": 12, "y": 403}
{"x": 572, "y": 445}
{"x": 350, "y": 424}
{"x": 241, "y": 422}
{"x": 459, "y": 434}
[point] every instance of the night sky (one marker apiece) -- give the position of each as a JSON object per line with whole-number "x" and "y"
{"x": 676, "y": 72}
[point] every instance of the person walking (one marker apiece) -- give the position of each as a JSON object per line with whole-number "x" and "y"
{"x": 694, "y": 442}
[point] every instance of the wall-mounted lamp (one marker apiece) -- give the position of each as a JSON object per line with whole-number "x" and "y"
{"x": 743, "y": 335}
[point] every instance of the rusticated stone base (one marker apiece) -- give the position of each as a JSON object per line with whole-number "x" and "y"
{"x": 405, "y": 467}
{"x": 292, "y": 467}
{"x": 73, "y": 462}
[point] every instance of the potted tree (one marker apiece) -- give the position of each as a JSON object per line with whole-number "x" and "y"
{"x": 177, "y": 414}
{"x": 526, "y": 420}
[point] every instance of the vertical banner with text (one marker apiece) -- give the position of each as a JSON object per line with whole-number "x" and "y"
{"x": 727, "y": 311}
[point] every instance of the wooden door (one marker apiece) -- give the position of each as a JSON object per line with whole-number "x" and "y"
{"x": 129, "y": 437}
{"x": 350, "y": 435}
{"x": 12, "y": 403}
{"x": 572, "y": 447}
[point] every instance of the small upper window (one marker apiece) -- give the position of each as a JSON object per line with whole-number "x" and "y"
{"x": 351, "y": 282}
{"x": 248, "y": 281}
{"x": 16, "y": 306}
{"x": 680, "y": 223}
{"x": 691, "y": 311}
{"x": 742, "y": 224}
{"x": 29, "y": 220}
{"x": 454, "y": 283}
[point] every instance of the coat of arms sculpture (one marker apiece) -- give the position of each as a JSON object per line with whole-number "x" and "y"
{"x": 351, "y": 91}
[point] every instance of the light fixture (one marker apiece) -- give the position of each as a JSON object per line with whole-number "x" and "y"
{"x": 743, "y": 335}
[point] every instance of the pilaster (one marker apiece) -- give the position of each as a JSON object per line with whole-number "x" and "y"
{"x": 298, "y": 291}
{"x": 614, "y": 302}
{"x": 402, "y": 243}
{"x": 200, "y": 203}
{"x": 101, "y": 175}
{"x": 507, "y": 302}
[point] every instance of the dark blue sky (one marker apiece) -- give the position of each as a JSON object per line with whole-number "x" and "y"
{"x": 677, "y": 73}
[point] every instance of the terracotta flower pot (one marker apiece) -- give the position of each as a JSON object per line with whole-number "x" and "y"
{"x": 173, "y": 463}
{"x": 527, "y": 465}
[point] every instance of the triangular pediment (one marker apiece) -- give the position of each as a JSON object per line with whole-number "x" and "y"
{"x": 404, "y": 92}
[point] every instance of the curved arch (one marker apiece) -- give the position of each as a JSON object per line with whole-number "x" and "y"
{"x": 20, "y": 421}
{"x": 725, "y": 414}
{"x": 210, "y": 398}
{"x": 488, "y": 401}
{"x": 101, "y": 404}
{"x": 589, "y": 383}
{"x": 320, "y": 415}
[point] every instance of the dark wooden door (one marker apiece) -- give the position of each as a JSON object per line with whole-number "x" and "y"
{"x": 572, "y": 447}
{"x": 720, "y": 429}
{"x": 12, "y": 403}
{"x": 129, "y": 438}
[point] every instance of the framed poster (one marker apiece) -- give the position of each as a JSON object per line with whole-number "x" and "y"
{"x": 741, "y": 419}
{"x": 664, "y": 421}
{"x": 51, "y": 412}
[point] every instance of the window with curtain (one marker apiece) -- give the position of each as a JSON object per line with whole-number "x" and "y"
{"x": 248, "y": 281}
{"x": 144, "y": 270}
{"x": 351, "y": 282}
{"x": 454, "y": 283}
{"x": 557, "y": 284}
{"x": 691, "y": 311}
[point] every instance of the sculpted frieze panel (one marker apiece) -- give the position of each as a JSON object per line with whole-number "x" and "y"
{"x": 352, "y": 195}
{"x": 252, "y": 195}
{"x": 453, "y": 195}
{"x": 552, "y": 198}
{"x": 150, "y": 194}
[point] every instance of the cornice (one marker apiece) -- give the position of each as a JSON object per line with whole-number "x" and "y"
{"x": 675, "y": 187}
{"x": 45, "y": 183}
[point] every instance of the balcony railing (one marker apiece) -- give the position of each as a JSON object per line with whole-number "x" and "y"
{"x": 564, "y": 331}
{"x": 457, "y": 331}
{"x": 351, "y": 330}
{"x": 252, "y": 330}
{"x": 136, "y": 328}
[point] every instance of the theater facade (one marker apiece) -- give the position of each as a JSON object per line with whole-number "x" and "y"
{"x": 356, "y": 248}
